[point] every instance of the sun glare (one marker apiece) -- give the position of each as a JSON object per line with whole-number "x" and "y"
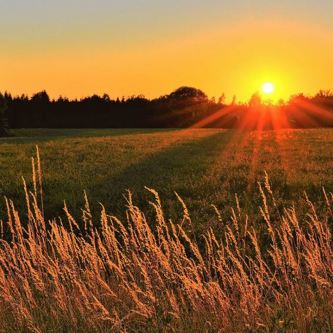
{"x": 268, "y": 88}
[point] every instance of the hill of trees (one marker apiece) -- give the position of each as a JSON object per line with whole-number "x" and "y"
{"x": 184, "y": 107}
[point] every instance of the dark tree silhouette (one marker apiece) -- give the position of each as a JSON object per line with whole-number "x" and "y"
{"x": 41, "y": 98}
{"x": 3, "y": 120}
{"x": 188, "y": 93}
{"x": 221, "y": 99}
{"x": 255, "y": 100}
{"x": 184, "y": 107}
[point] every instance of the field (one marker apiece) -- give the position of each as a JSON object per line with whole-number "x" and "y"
{"x": 236, "y": 237}
{"x": 203, "y": 166}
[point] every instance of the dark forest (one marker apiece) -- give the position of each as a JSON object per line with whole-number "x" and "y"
{"x": 184, "y": 107}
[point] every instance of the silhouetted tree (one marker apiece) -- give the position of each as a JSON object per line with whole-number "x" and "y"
{"x": 184, "y": 107}
{"x": 41, "y": 98}
{"x": 3, "y": 120}
{"x": 221, "y": 99}
{"x": 324, "y": 94}
{"x": 255, "y": 100}
{"x": 188, "y": 93}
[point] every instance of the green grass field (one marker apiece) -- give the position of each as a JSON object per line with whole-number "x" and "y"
{"x": 262, "y": 263}
{"x": 204, "y": 166}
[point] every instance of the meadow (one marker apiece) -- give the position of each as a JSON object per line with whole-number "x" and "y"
{"x": 219, "y": 231}
{"x": 204, "y": 166}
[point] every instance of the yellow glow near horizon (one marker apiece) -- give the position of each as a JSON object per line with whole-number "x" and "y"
{"x": 284, "y": 83}
{"x": 158, "y": 66}
{"x": 268, "y": 88}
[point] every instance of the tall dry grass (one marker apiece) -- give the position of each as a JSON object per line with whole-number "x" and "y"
{"x": 157, "y": 276}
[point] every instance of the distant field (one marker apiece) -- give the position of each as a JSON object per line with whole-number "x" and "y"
{"x": 204, "y": 166}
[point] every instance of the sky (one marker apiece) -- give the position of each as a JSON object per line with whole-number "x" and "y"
{"x": 76, "y": 48}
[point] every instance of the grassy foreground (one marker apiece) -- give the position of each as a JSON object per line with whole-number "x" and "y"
{"x": 204, "y": 166}
{"x": 139, "y": 275}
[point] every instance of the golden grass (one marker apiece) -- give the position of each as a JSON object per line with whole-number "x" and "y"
{"x": 157, "y": 276}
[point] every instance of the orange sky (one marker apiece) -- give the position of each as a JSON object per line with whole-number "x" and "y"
{"x": 234, "y": 57}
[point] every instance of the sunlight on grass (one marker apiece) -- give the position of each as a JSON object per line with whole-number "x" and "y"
{"x": 109, "y": 275}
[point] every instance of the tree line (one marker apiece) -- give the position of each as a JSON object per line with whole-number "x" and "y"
{"x": 184, "y": 107}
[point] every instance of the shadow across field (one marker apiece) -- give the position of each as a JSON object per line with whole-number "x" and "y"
{"x": 180, "y": 167}
{"x": 204, "y": 166}
{"x": 212, "y": 170}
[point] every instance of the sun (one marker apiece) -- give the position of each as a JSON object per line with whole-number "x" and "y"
{"x": 268, "y": 88}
